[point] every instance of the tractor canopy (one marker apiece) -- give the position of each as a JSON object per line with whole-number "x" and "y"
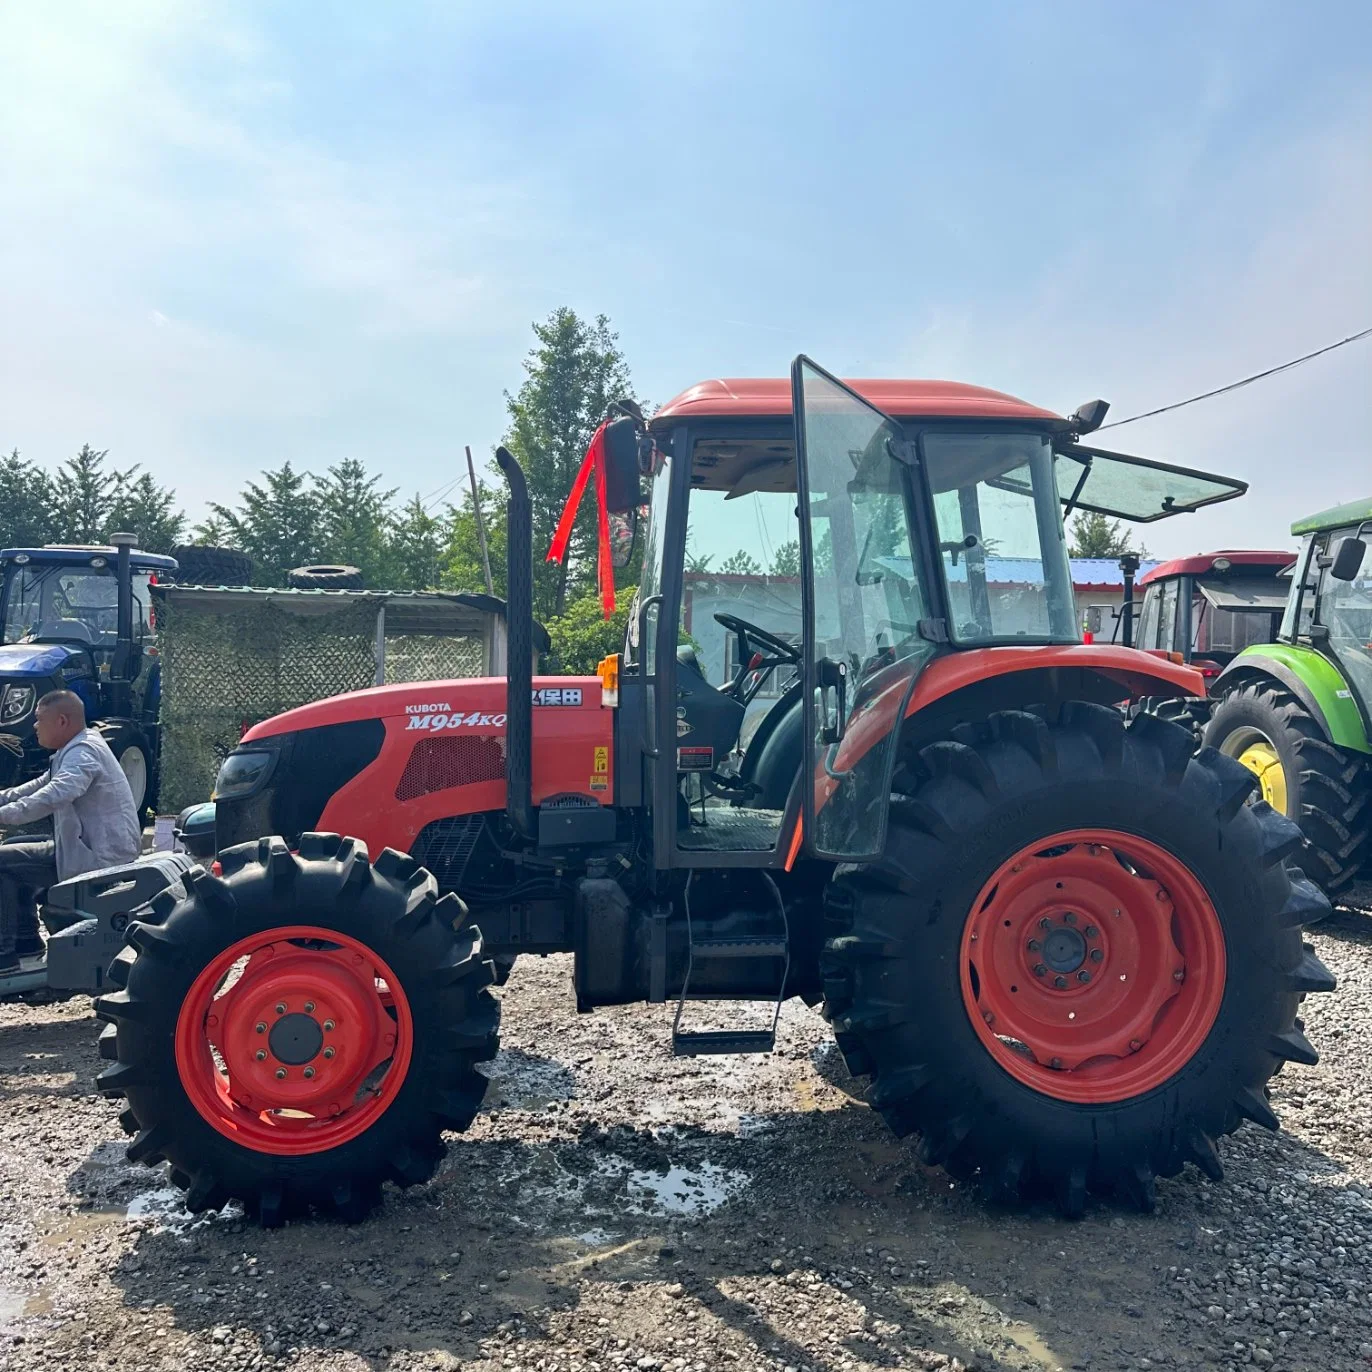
{"x": 1352, "y": 514}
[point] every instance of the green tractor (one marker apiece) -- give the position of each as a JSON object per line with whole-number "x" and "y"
{"x": 1298, "y": 712}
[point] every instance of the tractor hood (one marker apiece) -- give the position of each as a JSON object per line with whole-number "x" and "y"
{"x": 475, "y": 704}
{"x": 35, "y": 660}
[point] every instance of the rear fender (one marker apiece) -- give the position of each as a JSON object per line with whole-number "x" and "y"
{"x": 977, "y": 682}
{"x": 1315, "y": 681}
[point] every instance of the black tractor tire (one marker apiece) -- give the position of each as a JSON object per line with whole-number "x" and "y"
{"x": 391, "y": 907}
{"x": 137, "y": 761}
{"x": 893, "y": 960}
{"x": 1192, "y": 712}
{"x": 1328, "y": 790}
{"x": 199, "y": 564}
{"x": 325, "y": 577}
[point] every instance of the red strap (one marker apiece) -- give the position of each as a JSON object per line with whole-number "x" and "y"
{"x": 594, "y": 461}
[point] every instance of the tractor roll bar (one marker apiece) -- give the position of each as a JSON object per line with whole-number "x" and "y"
{"x": 519, "y": 668}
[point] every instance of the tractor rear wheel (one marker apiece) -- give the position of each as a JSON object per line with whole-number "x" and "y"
{"x": 1080, "y": 960}
{"x": 300, "y": 1030}
{"x": 1327, "y": 791}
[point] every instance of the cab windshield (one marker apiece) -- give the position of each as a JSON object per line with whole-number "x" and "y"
{"x": 63, "y": 604}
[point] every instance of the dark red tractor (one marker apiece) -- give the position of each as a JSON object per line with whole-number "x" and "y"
{"x": 1058, "y": 940}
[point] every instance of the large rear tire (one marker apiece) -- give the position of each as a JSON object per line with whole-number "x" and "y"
{"x": 1325, "y": 790}
{"x": 201, "y": 565}
{"x": 1022, "y": 854}
{"x": 300, "y": 1030}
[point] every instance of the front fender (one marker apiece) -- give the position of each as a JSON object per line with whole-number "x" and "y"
{"x": 1315, "y": 681}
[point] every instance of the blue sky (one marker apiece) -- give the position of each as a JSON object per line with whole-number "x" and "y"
{"x": 236, "y": 235}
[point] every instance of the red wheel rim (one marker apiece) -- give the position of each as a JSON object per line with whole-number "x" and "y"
{"x": 1093, "y": 965}
{"x": 294, "y": 1041}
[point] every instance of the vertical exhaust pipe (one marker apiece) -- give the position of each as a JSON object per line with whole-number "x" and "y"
{"x": 121, "y": 668}
{"x": 519, "y": 665}
{"x": 1129, "y": 566}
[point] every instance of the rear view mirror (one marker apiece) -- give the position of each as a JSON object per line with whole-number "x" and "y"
{"x": 1348, "y": 559}
{"x": 621, "y": 466}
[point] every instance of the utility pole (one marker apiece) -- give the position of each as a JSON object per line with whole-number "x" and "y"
{"x": 480, "y": 524}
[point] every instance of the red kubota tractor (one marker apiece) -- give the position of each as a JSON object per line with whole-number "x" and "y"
{"x": 1060, "y": 942}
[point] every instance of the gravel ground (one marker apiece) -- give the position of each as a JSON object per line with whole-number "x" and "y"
{"x": 614, "y": 1208}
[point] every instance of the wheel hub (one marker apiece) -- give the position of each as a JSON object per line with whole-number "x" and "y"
{"x": 1093, "y": 965}
{"x": 296, "y": 1039}
{"x": 1064, "y": 949}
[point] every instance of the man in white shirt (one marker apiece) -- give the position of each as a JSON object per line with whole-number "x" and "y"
{"x": 94, "y": 822}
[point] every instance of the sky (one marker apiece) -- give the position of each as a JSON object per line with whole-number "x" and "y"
{"x": 237, "y": 235}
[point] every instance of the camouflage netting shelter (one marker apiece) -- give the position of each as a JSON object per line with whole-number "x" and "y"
{"x": 234, "y": 656}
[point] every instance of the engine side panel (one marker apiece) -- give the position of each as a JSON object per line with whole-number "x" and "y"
{"x": 443, "y": 753}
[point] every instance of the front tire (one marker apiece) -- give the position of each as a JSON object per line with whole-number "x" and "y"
{"x": 1022, "y": 853}
{"x": 300, "y": 1030}
{"x": 1325, "y": 790}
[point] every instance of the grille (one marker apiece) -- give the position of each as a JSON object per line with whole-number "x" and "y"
{"x": 445, "y": 847}
{"x": 440, "y": 763}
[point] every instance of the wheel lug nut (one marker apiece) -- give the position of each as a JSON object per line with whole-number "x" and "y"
{"x": 1068, "y": 917}
{"x": 328, "y": 1026}
{"x": 1134, "y": 1045}
{"x": 1040, "y": 970}
{"x": 1096, "y": 955}
{"x": 329, "y": 1052}
{"x": 1179, "y": 974}
{"x": 281, "y": 1007}
{"x": 281, "y": 1074}
{"x": 309, "y": 1007}
{"x": 1091, "y": 931}
{"x": 1056, "y": 1064}
{"x": 1059, "y": 982}
{"x": 309, "y": 1074}
{"x": 261, "y": 1028}
{"x": 988, "y": 1017}
{"x": 1083, "y": 975}
{"x": 1045, "y": 923}
{"x": 261, "y": 1055}
{"x": 1034, "y": 945}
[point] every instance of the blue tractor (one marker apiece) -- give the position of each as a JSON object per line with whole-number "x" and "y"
{"x": 81, "y": 618}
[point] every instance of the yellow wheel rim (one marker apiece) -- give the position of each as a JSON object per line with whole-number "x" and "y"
{"x": 1260, "y": 757}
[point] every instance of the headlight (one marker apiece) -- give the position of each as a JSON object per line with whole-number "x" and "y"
{"x": 16, "y": 703}
{"x": 242, "y": 773}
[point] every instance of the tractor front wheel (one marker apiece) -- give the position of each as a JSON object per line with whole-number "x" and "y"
{"x": 1080, "y": 960}
{"x": 300, "y": 1030}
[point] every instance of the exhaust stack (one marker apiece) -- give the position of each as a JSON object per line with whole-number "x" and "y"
{"x": 519, "y": 669}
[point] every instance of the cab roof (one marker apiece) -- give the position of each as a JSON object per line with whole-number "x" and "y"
{"x": 1355, "y": 512}
{"x": 76, "y": 555}
{"x": 1271, "y": 560}
{"x": 770, "y": 397}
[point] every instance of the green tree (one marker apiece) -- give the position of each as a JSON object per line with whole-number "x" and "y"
{"x": 140, "y": 506}
{"x": 463, "y": 570}
{"x": 740, "y": 563}
{"x": 354, "y": 520}
{"x": 1093, "y": 535}
{"x": 414, "y": 549}
{"x": 93, "y": 501}
{"x": 582, "y": 635}
{"x": 786, "y": 559}
{"x": 28, "y": 513}
{"x": 573, "y": 373}
{"x": 276, "y": 524}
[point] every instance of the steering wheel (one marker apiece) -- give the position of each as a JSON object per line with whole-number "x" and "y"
{"x": 778, "y": 647}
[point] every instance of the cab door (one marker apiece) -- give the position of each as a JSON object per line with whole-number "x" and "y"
{"x": 871, "y": 617}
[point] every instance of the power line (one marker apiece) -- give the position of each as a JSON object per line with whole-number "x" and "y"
{"x": 1237, "y": 385}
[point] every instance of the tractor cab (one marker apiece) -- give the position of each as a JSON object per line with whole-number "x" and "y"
{"x": 800, "y": 574}
{"x": 80, "y": 618}
{"x": 1209, "y": 608}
